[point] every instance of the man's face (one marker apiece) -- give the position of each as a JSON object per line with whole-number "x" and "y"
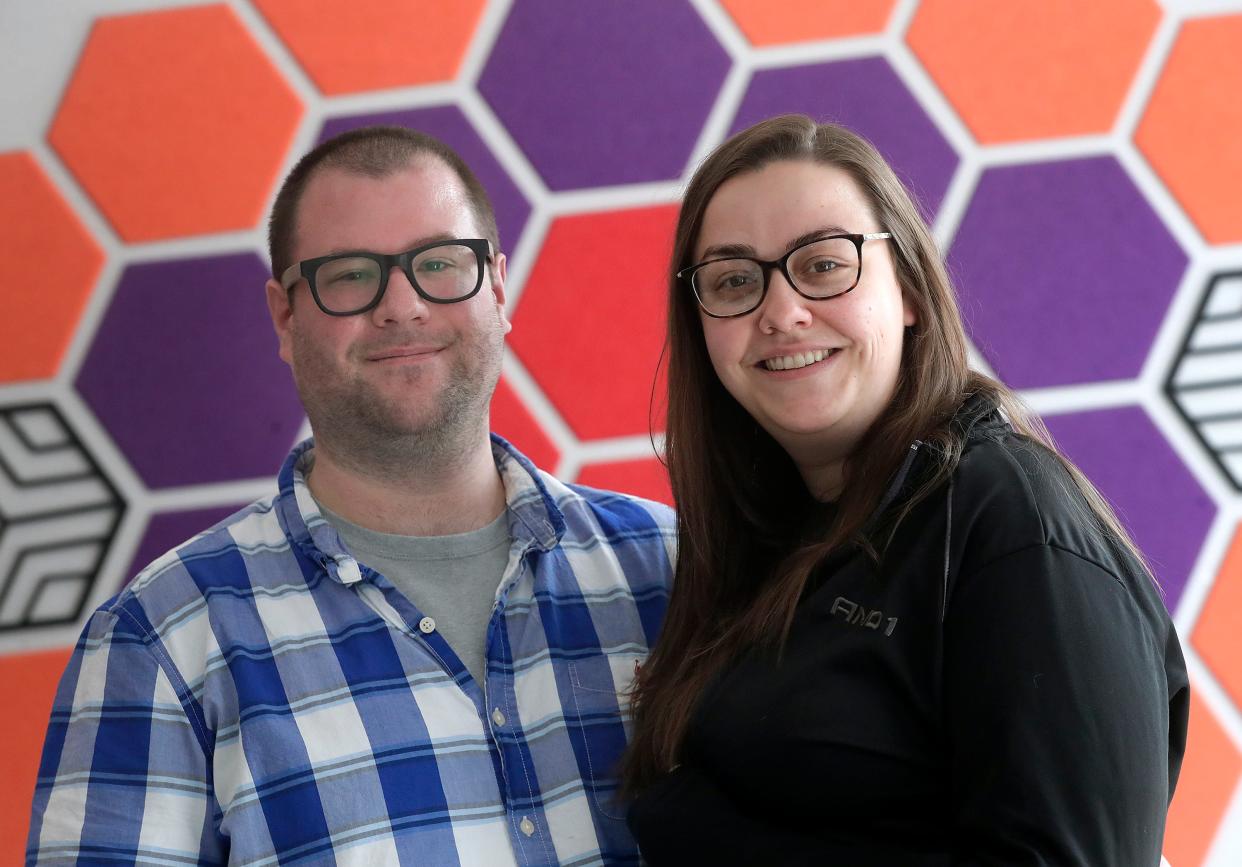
{"x": 407, "y": 373}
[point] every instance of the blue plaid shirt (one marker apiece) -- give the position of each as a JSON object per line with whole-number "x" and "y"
{"x": 258, "y": 696}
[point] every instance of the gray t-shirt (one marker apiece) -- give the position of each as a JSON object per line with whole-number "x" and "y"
{"x": 452, "y": 579}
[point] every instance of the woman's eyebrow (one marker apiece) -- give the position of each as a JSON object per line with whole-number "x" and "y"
{"x": 717, "y": 251}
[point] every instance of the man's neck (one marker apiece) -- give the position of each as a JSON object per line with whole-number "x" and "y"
{"x": 455, "y": 497}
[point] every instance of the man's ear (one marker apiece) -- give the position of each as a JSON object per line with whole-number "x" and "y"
{"x": 498, "y": 275}
{"x": 280, "y": 307}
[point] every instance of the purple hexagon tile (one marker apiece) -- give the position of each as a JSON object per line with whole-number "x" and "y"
{"x": 867, "y": 96}
{"x": 185, "y": 376}
{"x": 1166, "y": 510}
{"x": 1064, "y": 271}
{"x": 597, "y": 92}
{"x": 447, "y": 123}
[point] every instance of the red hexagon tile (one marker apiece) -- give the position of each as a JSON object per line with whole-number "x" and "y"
{"x": 513, "y": 421}
{"x": 40, "y": 232}
{"x": 175, "y": 122}
{"x": 1210, "y": 774}
{"x": 28, "y": 680}
{"x": 1191, "y": 132}
{"x": 348, "y": 46}
{"x": 1218, "y": 633}
{"x": 645, "y": 477}
{"x": 1027, "y": 69}
{"x": 589, "y": 325}
{"x": 767, "y": 23}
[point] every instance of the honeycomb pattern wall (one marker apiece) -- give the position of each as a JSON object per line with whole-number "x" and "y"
{"x": 1079, "y": 162}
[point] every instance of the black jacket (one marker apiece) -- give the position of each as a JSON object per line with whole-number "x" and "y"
{"x": 1004, "y": 688}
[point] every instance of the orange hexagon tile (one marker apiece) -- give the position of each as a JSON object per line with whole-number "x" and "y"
{"x": 1209, "y": 777}
{"x": 645, "y": 477}
{"x": 175, "y": 122}
{"x": 1191, "y": 132}
{"x": 776, "y": 22}
{"x": 38, "y": 229}
{"x": 1028, "y": 69}
{"x": 589, "y": 325}
{"x": 1218, "y": 633}
{"x": 513, "y": 421}
{"x": 27, "y": 680}
{"x": 350, "y": 45}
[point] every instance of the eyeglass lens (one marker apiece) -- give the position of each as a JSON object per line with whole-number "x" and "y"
{"x": 446, "y": 272}
{"x": 821, "y": 269}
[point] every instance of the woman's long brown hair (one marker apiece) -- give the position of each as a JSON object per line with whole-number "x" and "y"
{"x": 738, "y": 578}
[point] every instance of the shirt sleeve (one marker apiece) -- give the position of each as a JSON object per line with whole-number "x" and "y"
{"x": 1057, "y": 716}
{"x": 124, "y": 776}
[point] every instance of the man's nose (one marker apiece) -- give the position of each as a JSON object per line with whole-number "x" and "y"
{"x": 401, "y": 301}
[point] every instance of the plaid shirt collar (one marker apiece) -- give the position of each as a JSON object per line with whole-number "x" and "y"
{"x": 535, "y": 520}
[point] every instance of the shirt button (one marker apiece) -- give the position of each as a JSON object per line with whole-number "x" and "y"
{"x": 498, "y": 717}
{"x": 427, "y": 625}
{"x": 527, "y": 826}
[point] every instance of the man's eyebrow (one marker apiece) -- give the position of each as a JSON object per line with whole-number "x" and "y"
{"x": 720, "y": 251}
{"x": 418, "y": 242}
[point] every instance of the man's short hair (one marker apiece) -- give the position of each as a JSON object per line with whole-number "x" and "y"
{"x": 376, "y": 152}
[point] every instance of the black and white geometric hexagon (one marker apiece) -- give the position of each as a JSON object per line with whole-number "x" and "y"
{"x": 58, "y": 515}
{"x": 1205, "y": 384}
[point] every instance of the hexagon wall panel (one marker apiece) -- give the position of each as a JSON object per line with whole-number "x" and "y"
{"x": 1064, "y": 272}
{"x": 185, "y": 362}
{"x": 1210, "y": 774}
{"x": 1205, "y": 384}
{"x": 1079, "y": 161}
{"x": 1020, "y": 69}
{"x": 33, "y": 677}
{"x": 573, "y": 84}
{"x": 40, "y": 231}
{"x": 767, "y": 23}
{"x": 867, "y": 96}
{"x": 353, "y": 45}
{"x": 1165, "y": 509}
{"x": 58, "y": 514}
{"x": 447, "y": 123}
{"x": 1192, "y": 130}
{"x": 513, "y": 421}
{"x": 1218, "y": 634}
{"x": 192, "y": 149}
{"x": 598, "y": 326}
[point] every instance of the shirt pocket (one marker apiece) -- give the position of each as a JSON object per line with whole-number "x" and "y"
{"x": 601, "y": 713}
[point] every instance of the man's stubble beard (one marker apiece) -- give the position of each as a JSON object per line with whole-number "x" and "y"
{"x": 367, "y": 432}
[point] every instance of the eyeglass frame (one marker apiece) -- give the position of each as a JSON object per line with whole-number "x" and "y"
{"x": 306, "y": 269}
{"x": 768, "y": 265}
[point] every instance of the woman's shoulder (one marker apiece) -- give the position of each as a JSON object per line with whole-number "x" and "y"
{"x": 1011, "y": 492}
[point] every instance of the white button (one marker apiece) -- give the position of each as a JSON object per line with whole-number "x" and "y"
{"x": 498, "y": 717}
{"x": 427, "y": 625}
{"x": 527, "y": 826}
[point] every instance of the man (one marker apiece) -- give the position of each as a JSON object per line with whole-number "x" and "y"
{"x": 417, "y": 652}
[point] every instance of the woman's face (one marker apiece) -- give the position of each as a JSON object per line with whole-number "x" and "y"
{"x": 817, "y": 411}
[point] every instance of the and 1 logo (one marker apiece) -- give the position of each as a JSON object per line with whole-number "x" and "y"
{"x": 856, "y": 615}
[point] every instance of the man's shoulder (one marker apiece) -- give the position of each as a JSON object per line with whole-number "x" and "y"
{"x": 585, "y": 509}
{"x": 215, "y": 558}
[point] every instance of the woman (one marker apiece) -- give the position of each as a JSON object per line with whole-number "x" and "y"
{"x": 904, "y": 629}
